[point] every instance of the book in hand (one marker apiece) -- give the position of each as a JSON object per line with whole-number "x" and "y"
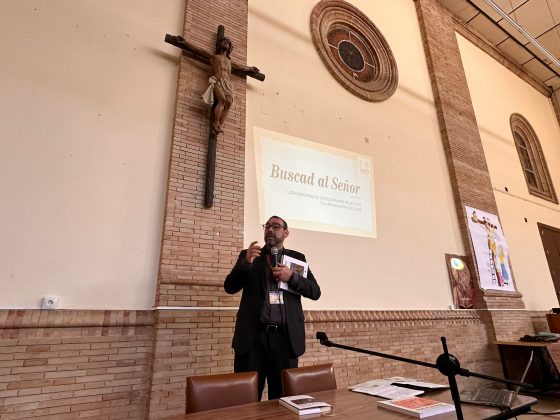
{"x": 304, "y": 404}
{"x": 296, "y": 265}
{"x": 417, "y": 406}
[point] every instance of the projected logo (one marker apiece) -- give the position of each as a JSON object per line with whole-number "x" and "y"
{"x": 364, "y": 166}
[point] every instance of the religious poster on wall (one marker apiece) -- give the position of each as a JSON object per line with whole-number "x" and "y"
{"x": 462, "y": 286}
{"x": 491, "y": 250}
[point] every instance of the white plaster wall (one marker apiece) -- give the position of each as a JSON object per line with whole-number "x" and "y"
{"x": 404, "y": 267}
{"x": 88, "y": 92}
{"x": 496, "y": 94}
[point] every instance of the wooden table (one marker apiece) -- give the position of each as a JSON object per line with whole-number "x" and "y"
{"x": 346, "y": 405}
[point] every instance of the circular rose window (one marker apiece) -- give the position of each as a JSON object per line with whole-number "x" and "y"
{"x": 354, "y": 50}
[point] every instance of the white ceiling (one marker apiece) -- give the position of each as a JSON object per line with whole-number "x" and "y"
{"x": 540, "y": 18}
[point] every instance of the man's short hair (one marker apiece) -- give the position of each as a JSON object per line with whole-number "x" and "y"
{"x": 278, "y": 217}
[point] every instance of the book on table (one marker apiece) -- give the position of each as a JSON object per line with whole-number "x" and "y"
{"x": 305, "y": 404}
{"x": 417, "y": 407}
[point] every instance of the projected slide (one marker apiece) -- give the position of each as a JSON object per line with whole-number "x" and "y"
{"x": 313, "y": 186}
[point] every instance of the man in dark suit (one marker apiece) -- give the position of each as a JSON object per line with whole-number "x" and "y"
{"x": 269, "y": 331}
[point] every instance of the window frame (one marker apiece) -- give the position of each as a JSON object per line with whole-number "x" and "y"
{"x": 531, "y": 150}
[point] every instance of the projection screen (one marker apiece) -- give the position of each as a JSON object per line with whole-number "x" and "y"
{"x": 314, "y": 186}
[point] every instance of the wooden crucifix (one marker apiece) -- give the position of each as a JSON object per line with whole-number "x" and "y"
{"x": 219, "y": 95}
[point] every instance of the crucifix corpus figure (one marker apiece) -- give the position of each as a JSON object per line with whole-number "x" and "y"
{"x": 219, "y": 94}
{"x": 220, "y": 91}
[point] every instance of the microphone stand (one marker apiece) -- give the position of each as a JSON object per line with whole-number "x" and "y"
{"x": 446, "y": 363}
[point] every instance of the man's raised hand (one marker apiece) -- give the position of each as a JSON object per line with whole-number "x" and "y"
{"x": 253, "y": 252}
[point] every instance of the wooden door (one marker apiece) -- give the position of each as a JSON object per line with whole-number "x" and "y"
{"x": 550, "y": 237}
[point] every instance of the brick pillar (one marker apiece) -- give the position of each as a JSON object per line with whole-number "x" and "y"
{"x": 468, "y": 171}
{"x": 199, "y": 245}
{"x": 555, "y": 100}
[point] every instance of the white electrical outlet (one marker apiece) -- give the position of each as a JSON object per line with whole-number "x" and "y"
{"x": 50, "y": 302}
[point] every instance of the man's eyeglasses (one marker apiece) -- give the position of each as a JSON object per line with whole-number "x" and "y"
{"x": 274, "y": 226}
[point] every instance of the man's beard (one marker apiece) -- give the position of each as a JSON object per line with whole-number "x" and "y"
{"x": 271, "y": 241}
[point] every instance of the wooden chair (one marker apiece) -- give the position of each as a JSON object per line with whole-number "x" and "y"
{"x": 207, "y": 392}
{"x": 308, "y": 379}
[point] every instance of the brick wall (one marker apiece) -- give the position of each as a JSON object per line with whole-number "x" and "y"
{"x": 74, "y": 364}
{"x": 198, "y": 342}
{"x": 199, "y": 244}
{"x": 410, "y": 334}
{"x": 462, "y": 144}
{"x": 555, "y": 101}
{"x": 461, "y": 140}
{"x": 538, "y": 319}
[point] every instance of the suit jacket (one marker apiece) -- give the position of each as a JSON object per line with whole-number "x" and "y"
{"x": 251, "y": 278}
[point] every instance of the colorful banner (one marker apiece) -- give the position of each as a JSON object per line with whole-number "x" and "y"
{"x": 491, "y": 250}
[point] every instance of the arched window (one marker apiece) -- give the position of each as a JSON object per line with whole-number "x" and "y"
{"x": 532, "y": 159}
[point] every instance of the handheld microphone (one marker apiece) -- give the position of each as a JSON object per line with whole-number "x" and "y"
{"x": 274, "y": 253}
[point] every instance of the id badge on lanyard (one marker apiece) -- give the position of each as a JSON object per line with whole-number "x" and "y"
{"x": 276, "y": 297}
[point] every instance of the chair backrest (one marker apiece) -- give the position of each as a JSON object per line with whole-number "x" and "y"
{"x": 207, "y": 392}
{"x": 307, "y": 379}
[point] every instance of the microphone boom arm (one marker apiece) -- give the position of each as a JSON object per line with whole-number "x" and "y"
{"x": 446, "y": 363}
{"x": 322, "y": 337}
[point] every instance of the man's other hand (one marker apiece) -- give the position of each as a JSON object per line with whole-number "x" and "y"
{"x": 282, "y": 273}
{"x": 253, "y": 252}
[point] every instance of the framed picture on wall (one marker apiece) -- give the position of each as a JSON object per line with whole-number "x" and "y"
{"x": 462, "y": 285}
